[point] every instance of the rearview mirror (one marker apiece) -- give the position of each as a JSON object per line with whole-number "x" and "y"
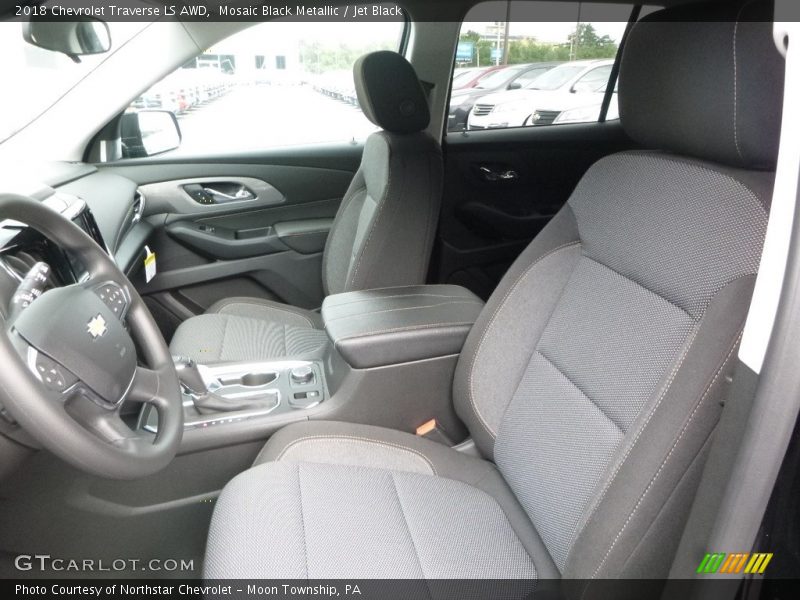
{"x": 73, "y": 38}
{"x": 149, "y": 132}
{"x": 516, "y": 85}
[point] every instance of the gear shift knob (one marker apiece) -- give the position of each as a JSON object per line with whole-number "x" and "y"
{"x": 189, "y": 375}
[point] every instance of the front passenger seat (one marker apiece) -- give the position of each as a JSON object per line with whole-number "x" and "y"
{"x": 592, "y": 381}
{"x": 381, "y": 237}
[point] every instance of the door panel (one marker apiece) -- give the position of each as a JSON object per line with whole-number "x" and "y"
{"x": 502, "y": 187}
{"x": 266, "y": 243}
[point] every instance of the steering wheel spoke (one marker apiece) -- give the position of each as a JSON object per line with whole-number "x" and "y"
{"x": 104, "y": 423}
{"x": 58, "y": 381}
{"x": 112, "y": 293}
{"x": 146, "y": 387}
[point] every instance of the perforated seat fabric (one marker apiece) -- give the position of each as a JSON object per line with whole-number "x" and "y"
{"x": 334, "y": 521}
{"x": 249, "y": 329}
{"x": 383, "y": 232}
{"x": 595, "y": 375}
{"x": 364, "y": 452}
{"x": 266, "y": 310}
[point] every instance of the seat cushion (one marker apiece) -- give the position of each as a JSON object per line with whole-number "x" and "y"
{"x": 250, "y": 329}
{"x": 298, "y": 520}
{"x": 368, "y": 455}
{"x": 267, "y": 310}
{"x": 331, "y": 442}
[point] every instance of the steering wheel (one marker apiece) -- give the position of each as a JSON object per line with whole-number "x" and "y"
{"x": 69, "y": 362}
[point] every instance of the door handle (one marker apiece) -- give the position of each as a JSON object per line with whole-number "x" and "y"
{"x": 236, "y": 194}
{"x": 219, "y": 192}
{"x": 493, "y": 174}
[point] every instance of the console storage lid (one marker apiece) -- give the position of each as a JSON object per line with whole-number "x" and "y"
{"x": 374, "y": 328}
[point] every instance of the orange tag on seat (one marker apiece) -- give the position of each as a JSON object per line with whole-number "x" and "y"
{"x": 426, "y": 427}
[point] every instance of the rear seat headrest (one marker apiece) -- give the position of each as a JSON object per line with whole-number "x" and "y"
{"x": 390, "y": 93}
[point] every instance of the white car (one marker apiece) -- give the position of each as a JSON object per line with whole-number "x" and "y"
{"x": 576, "y": 85}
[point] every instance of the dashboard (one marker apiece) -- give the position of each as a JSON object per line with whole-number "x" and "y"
{"x": 108, "y": 207}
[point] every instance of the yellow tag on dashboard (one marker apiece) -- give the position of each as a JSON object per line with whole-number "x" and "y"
{"x": 149, "y": 264}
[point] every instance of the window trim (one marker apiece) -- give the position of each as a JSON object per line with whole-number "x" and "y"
{"x": 611, "y": 86}
{"x": 614, "y": 75}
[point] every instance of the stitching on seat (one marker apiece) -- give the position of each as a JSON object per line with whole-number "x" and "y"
{"x": 421, "y": 295}
{"x": 577, "y": 387}
{"x": 434, "y": 206}
{"x": 390, "y": 310}
{"x": 402, "y": 329}
{"x": 670, "y": 379}
{"x": 675, "y": 443}
{"x": 275, "y": 307}
{"x": 644, "y": 287}
{"x": 735, "y": 89}
{"x": 669, "y": 498}
{"x": 356, "y": 439}
{"x": 486, "y": 329}
{"x": 408, "y": 529}
{"x": 378, "y": 214}
{"x": 410, "y": 285}
{"x": 302, "y": 516}
{"x": 347, "y": 201}
{"x": 736, "y": 83}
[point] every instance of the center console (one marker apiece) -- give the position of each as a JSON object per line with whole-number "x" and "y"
{"x": 390, "y": 362}
{"x": 215, "y": 395}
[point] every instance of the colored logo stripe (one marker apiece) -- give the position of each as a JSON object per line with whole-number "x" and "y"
{"x": 720, "y": 562}
{"x": 758, "y": 563}
{"x": 711, "y": 562}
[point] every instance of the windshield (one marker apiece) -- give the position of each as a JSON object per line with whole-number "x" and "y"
{"x": 497, "y": 78}
{"x": 555, "y": 78}
{"x": 464, "y": 76}
{"x": 42, "y": 76}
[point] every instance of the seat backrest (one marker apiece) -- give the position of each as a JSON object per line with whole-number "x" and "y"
{"x": 595, "y": 374}
{"x": 383, "y": 232}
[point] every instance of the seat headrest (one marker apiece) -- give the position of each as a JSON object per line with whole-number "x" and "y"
{"x": 705, "y": 81}
{"x": 390, "y": 93}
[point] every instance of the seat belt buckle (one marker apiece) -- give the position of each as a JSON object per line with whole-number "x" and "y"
{"x": 434, "y": 432}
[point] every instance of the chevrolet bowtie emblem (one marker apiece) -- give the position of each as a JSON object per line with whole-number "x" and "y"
{"x": 97, "y": 327}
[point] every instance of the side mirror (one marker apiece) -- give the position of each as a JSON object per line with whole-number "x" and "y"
{"x": 73, "y": 38}
{"x": 149, "y": 132}
{"x": 515, "y": 85}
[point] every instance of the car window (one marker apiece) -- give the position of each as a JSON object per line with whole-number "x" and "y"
{"x": 596, "y": 80}
{"x": 557, "y": 77}
{"x": 277, "y": 83}
{"x": 497, "y": 78}
{"x": 529, "y": 76}
{"x": 571, "y": 46}
{"x": 464, "y": 76}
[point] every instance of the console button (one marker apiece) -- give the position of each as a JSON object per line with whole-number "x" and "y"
{"x": 304, "y": 399}
{"x": 53, "y": 375}
{"x": 302, "y": 375}
{"x": 113, "y": 297}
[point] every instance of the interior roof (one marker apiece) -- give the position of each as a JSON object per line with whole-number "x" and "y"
{"x": 454, "y": 10}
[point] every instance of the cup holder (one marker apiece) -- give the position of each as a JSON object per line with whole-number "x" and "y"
{"x": 258, "y": 379}
{"x": 253, "y": 379}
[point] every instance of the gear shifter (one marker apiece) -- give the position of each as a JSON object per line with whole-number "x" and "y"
{"x": 189, "y": 375}
{"x": 205, "y": 401}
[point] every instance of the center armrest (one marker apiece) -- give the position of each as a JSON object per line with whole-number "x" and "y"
{"x": 374, "y": 328}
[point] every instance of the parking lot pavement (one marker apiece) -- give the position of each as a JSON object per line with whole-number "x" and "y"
{"x": 263, "y": 116}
